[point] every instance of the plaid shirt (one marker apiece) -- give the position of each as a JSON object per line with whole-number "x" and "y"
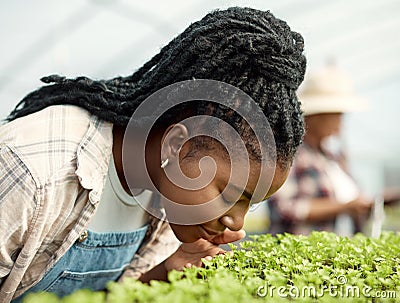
{"x": 53, "y": 165}
{"x": 307, "y": 179}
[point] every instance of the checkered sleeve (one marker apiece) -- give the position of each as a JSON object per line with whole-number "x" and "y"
{"x": 17, "y": 205}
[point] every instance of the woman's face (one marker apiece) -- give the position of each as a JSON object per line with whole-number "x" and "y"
{"x": 233, "y": 217}
{"x": 324, "y": 125}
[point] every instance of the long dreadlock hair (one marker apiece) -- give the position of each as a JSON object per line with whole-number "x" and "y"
{"x": 247, "y": 48}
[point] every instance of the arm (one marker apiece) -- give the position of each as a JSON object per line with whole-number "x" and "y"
{"x": 391, "y": 196}
{"x": 190, "y": 254}
{"x": 160, "y": 245}
{"x": 159, "y": 272}
{"x": 17, "y": 204}
{"x": 304, "y": 209}
{"x": 299, "y": 199}
{"x": 326, "y": 208}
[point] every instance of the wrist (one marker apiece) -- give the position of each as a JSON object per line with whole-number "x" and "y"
{"x": 169, "y": 263}
{"x": 350, "y": 207}
{"x": 157, "y": 273}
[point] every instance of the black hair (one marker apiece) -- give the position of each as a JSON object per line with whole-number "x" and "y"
{"x": 247, "y": 48}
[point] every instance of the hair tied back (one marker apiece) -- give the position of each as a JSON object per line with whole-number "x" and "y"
{"x": 53, "y": 79}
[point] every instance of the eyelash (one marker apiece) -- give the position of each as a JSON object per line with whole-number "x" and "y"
{"x": 252, "y": 207}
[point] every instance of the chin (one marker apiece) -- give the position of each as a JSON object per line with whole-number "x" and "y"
{"x": 185, "y": 233}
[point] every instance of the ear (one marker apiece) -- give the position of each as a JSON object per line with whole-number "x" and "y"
{"x": 172, "y": 140}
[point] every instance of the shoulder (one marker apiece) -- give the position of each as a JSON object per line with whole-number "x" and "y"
{"x": 48, "y": 140}
{"x": 46, "y": 125}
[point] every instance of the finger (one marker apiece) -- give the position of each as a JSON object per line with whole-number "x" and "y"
{"x": 229, "y": 236}
{"x": 208, "y": 258}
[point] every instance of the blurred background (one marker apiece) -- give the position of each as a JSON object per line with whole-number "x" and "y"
{"x": 104, "y": 38}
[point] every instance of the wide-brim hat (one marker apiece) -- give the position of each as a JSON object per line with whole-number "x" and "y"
{"x": 329, "y": 90}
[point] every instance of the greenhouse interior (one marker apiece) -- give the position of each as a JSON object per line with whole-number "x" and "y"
{"x": 199, "y": 151}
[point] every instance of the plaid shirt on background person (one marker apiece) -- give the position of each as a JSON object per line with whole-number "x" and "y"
{"x": 53, "y": 165}
{"x": 307, "y": 180}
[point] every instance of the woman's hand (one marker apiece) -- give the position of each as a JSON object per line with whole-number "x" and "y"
{"x": 190, "y": 254}
{"x": 360, "y": 207}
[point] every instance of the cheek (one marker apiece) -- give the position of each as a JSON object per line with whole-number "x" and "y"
{"x": 328, "y": 130}
{"x": 281, "y": 175}
{"x": 335, "y": 124}
{"x": 193, "y": 189}
{"x": 185, "y": 184}
{"x": 190, "y": 197}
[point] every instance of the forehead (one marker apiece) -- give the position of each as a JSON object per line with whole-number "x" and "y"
{"x": 324, "y": 116}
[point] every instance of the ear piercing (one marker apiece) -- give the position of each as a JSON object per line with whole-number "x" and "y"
{"x": 164, "y": 163}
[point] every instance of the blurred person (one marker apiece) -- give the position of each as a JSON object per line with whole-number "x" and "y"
{"x": 69, "y": 204}
{"x": 319, "y": 193}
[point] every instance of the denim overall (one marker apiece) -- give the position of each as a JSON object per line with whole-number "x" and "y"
{"x": 91, "y": 263}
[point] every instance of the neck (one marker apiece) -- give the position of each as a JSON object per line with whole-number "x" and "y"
{"x": 140, "y": 175}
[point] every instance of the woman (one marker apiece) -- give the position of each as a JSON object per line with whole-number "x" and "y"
{"x": 319, "y": 194}
{"x": 88, "y": 184}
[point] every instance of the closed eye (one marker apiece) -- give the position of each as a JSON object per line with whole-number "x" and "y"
{"x": 226, "y": 201}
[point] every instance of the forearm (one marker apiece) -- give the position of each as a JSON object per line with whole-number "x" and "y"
{"x": 324, "y": 208}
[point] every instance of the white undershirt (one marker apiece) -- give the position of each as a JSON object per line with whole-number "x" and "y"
{"x": 117, "y": 210}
